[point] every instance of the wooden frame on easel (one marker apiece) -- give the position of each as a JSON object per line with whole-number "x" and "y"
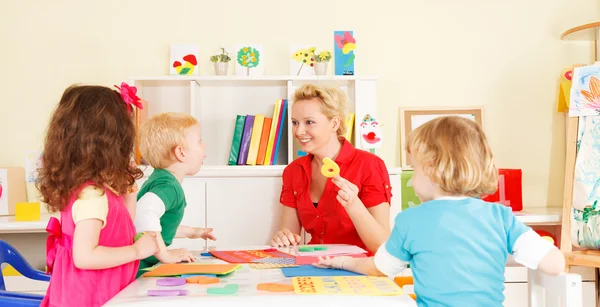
{"x": 411, "y": 116}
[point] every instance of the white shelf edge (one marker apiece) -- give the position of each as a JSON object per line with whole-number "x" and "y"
{"x": 251, "y": 78}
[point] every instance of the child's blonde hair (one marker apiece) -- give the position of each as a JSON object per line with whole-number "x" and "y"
{"x": 160, "y": 134}
{"x": 455, "y": 154}
{"x": 333, "y": 102}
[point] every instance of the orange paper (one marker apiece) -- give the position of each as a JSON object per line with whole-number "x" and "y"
{"x": 176, "y": 269}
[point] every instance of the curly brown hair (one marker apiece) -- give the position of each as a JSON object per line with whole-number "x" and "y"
{"x": 90, "y": 137}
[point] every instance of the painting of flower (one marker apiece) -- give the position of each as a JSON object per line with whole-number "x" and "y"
{"x": 302, "y": 60}
{"x": 344, "y": 48}
{"x": 585, "y": 91}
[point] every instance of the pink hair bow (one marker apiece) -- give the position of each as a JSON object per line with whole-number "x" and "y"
{"x": 128, "y": 93}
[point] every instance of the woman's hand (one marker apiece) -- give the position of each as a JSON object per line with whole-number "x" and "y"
{"x": 348, "y": 192}
{"x": 285, "y": 237}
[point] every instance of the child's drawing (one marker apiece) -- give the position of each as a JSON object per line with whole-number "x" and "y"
{"x": 585, "y": 92}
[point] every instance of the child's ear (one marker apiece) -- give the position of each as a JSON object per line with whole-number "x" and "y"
{"x": 179, "y": 153}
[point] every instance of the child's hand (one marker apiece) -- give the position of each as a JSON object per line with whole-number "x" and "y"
{"x": 146, "y": 245}
{"x": 285, "y": 237}
{"x": 178, "y": 255}
{"x": 331, "y": 263}
{"x": 203, "y": 233}
{"x": 347, "y": 193}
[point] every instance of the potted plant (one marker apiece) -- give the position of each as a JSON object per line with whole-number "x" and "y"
{"x": 221, "y": 60}
{"x": 322, "y": 59}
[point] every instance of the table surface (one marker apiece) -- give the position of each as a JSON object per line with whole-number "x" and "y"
{"x": 247, "y": 278}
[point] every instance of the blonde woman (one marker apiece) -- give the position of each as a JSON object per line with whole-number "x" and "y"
{"x": 350, "y": 208}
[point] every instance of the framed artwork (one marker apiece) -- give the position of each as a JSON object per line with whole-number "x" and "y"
{"x": 249, "y": 60}
{"x": 184, "y": 59}
{"x": 411, "y": 118}
{"x": 344, "y": 46}
{"x": 302, "y": 60}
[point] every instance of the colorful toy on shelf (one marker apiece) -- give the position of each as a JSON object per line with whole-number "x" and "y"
{"x": 547, "y": 236}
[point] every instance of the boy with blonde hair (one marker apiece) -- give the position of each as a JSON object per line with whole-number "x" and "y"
{"x": 456, "y": 244}
{"x": 172, "y": 144}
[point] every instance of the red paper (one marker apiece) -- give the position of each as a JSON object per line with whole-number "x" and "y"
{"x": 510, "y": 189}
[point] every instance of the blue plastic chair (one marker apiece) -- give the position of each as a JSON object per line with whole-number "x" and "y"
{"x": 10, "y": 255}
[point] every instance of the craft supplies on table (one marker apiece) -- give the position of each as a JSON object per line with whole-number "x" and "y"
{"x": 346, "y": 285}
{"x": 247, "y": 256}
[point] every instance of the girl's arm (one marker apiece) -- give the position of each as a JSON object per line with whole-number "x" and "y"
{"x": 194, "y": 233}
{"x": 88, "y": 255}
{"x": 131, "y": 203}
{"x": 534, "y": 252}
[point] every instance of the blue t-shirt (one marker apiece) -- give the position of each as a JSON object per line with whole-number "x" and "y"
{"x": 457, "y": 250}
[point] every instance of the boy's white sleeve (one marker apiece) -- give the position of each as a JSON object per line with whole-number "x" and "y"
{"x": 530, "y": 248}
{"x": 149, "y": 210}
{"x": 388, "y": 264}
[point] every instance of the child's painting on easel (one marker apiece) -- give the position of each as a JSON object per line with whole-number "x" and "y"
{"x": 585, "y": 91}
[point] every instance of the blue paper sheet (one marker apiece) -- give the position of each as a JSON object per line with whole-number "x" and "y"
{"x": 309, "y": 270}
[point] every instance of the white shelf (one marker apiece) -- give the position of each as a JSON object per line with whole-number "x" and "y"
{"x": 244, "y": 171}
{"x": 251, "y": 78}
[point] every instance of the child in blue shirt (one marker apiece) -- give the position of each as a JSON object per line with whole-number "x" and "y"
{"x": 456, "y": 244}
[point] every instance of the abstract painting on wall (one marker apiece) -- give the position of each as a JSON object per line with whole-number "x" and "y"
{"x": 302, "y": 60}
{"x": 344, "y": 47}
{"x": 585, "y": 91}
{"x": 184, "y": 59}
{"x": 249, "y": 60}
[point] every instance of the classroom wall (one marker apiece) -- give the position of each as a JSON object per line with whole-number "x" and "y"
{"x": 505, "y": 55}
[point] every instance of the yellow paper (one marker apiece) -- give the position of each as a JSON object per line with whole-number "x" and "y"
{"x": 346, "y": 285}
{"x": 27, "y": 212}
{"x": 565, "y": 90}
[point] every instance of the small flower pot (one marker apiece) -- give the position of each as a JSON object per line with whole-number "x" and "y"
{"x": 221, "y": 68}
{"x": 321, "y": 68}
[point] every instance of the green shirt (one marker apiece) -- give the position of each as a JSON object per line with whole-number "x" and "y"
{"x": 164, "y": 185}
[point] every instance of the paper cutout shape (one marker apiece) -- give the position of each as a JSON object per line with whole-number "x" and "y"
{"x": 585, "y": 91}
{"x": 184, "y": 59}
{"x": 249, "y": 61}
{"x": 302, "y": 60}
{"x": 329, "y": 170}
{"x": 264, "y": 266}
{"x": 371, "y": 135}
{"x": 349, "y": 285}
{"x": 343, "y": 50}
{"x": 275, "y": 260}
{"x": 174, "y": 292}
{"x": 226, "y": 290}
{"x": 170, "y": 281}
{"x": 203, "y": 280}
{"x": 177, "y": 269}
{"x": 310, "y": 270}
{"x": 274, "y": 287}
{"x": 246, "y": 256}
{"x": 564, "y": 95}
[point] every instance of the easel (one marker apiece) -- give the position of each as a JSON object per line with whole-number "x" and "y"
{"x": 588, "y": 258}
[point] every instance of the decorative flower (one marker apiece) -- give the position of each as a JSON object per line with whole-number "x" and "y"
{"x": 347, "y": 43}
{"x": 128, "y": 94}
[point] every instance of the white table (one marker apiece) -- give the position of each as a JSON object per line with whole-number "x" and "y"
{"x": 247, "y": 278}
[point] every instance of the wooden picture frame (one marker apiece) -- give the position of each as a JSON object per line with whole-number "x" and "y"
{"x": 409, "y": 115}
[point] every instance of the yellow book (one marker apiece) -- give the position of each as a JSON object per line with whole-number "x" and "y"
{"x": 255, "y": 139}
{"x": 349, "y": 127}
{"x": 272, "y": 133}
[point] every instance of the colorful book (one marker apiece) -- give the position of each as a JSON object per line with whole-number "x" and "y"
{"x": 237, "y": 139}
{"x": 272, "y": 133}
{"x": 246, "y": 136}
{"x": 264, "y": 140}
{"x": 255, "y": 139}
{"x": 279, "y": 131}
{"x": 349, "y": 127}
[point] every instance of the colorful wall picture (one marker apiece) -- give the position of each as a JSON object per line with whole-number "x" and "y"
{"x": 302, "y": 60}
{"x": 343, "y": 52}
{"x": 249, "y": 60}
{"x": 371, "y": 135}
{"x": 585, "y": 91}
{"x": 184, "y": 59}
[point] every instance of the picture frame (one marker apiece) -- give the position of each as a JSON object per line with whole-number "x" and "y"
{"x": 413, "y": 117}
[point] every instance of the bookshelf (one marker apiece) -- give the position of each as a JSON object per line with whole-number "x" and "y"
{"x": 216, "y": 101}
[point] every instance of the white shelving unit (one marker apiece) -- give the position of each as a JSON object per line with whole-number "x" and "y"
{"x": 216, "y": 100}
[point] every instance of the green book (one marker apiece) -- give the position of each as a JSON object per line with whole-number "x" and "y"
{"x": 237, "y": 139}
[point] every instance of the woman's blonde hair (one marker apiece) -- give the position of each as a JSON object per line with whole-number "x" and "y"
{"x": 455, "y": 154}
{"x": 333, "y": 102}
{"x": 160, "y": 134}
